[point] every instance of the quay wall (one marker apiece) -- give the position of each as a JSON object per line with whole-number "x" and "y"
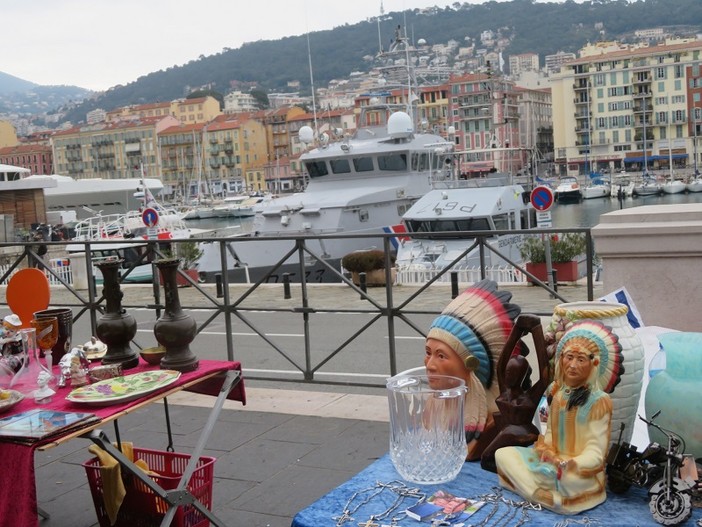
{"x": 655, "y": 251}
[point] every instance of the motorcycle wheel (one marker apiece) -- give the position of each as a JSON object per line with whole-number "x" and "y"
{"x": 671, "y": 511}
{"x": 617, "y": 483}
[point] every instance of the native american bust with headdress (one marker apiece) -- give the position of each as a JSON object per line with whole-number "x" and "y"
{"x": 465, "y": 341}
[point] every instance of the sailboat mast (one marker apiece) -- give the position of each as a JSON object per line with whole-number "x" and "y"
{"x": 380, "y": 40}
{"x": 670, "y": 152}
{"x": 645, "y": 146}
{"x": 589, "y": 131}
{"x": 314, "y": 104}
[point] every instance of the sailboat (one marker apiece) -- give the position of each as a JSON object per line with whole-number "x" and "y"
{"x": 672, "y": 186}
{"x": 201, "y": 209}
{"x": 694, "y": 184}
{"x": 598, "y": 185}
{"x": 647, "y": 186}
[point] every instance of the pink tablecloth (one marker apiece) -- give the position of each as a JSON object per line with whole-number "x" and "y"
{"x": 18, "y": 494}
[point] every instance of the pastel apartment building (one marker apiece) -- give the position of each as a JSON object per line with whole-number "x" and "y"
{"x": 111, "y": 150}
{"x": 614, "y": 108}
{"x": 188, "y": 111}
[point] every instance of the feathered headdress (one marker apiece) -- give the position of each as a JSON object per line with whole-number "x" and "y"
{"x": 598, "y": 340}
{"x": 476, "y": 325}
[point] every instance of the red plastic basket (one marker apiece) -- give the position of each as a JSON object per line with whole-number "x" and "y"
{"x": 141, "y": 507}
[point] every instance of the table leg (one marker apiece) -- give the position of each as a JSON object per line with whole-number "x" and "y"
{"x": 41, "y": 512}
{"x": 180, "y": 495}
{"x": 231, "y": 380}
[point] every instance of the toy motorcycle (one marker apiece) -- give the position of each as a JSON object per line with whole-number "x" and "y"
{"x": 657, "y": 468}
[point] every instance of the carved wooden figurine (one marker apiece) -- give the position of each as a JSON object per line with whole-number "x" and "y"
{"x": 518, "y": 399}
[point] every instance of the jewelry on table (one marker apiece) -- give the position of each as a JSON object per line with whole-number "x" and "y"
{"x": 375, "y": 517}
{"x": 347, "y": 512}
{"x": 509, "y": 515}
{"x": 399, "y": 488}
{"x": 403, "y": 492}
{"x": 581, "y": 521}
{"x": 494, "y": 499}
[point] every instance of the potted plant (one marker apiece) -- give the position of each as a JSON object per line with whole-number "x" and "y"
{"x": 371, "y": 262}
{"x": 565, "y": 249}
{"x": 188, "y": 253}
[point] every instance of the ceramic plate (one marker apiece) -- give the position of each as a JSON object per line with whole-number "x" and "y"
{"x": 15, "y": 397}
{"x": 123, "y": 389}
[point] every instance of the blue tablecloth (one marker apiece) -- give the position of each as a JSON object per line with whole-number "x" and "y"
{"x": 630, "y": 509}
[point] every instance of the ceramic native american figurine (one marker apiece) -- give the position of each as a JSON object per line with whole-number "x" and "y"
{"x": 564, "y": 471}
{"x": 465, "y": 341}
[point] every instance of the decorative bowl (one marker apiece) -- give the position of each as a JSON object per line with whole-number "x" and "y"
{"x": 94, "y": 349}
{"x": 153, "y": 355}
{"x": 9, "y": 398}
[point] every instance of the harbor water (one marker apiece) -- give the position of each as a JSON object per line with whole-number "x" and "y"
{"x": 586, "y": 214}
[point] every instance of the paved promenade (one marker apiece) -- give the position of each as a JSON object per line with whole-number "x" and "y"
{"x": 282, "y": 451}
{"x": 334, "y": 296}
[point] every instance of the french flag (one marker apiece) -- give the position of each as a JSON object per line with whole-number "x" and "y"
{"x": 396, "y": 229}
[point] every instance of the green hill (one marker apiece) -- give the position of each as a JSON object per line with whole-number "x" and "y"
{"x": 542, "y": 28}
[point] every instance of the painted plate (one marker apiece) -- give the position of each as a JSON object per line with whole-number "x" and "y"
{"x": 123, "y": 389}
{"x": 11, "y": 400}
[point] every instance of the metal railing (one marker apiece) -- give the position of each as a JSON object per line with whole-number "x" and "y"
{"x": 246, "y": 306}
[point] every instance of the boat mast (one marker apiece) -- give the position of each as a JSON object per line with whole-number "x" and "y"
{"x": 670, "y": 149}
{"x": 589, "y": 132}
{"x": 645, "y": 146}
{"x": 694, "y": 114}
{"x": 409, "y": 76}
{"x": 380, "y": 40}
{"x": 314, "y": 104}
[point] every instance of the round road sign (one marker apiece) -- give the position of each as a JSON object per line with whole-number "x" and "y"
{"x": 542, "y": 198}
{"x": 149, "y": 217}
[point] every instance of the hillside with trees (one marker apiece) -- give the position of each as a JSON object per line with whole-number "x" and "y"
{"x": 542, "y": 28}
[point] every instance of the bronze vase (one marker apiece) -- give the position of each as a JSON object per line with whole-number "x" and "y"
{"x": 176, "y": 329}
{"x": 116, "y": 328}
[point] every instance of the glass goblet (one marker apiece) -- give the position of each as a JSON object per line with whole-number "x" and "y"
{"x": 47, "y": 336}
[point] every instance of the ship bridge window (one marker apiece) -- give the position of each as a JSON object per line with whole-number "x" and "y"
{"x": 393, "y": 162}
{"x": 420, "y": 161}
{"x": 437, "y": 162}
{"x": 457, "y": 227}
{"x": 340, "y": 166}
{"x": 316, "y": 168}
{"x": 503, "y": 222}
{"x": 363, "y": 164}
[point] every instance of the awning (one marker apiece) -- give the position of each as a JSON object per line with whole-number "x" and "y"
{"x": 640, "y": 159}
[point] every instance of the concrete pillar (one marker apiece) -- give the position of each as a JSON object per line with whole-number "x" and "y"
{"x": 655, "y": 251}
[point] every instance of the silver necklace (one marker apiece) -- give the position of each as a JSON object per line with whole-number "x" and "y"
{"x": 490, "y": 498}
{"x": 397, "y": 487}
{"x": 347, "y": 512}
{"x": 582, "y": 521}
{"x": 508, "y": 516}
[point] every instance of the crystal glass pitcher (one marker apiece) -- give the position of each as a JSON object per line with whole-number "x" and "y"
{"x": 427, "y": 438}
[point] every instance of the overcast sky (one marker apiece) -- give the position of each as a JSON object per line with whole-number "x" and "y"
{"x": 97, "y": 44}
